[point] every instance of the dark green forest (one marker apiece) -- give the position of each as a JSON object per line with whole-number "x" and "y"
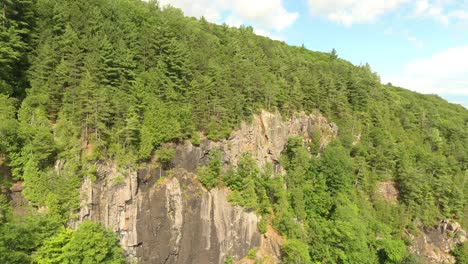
{"x": 84, "y": 81}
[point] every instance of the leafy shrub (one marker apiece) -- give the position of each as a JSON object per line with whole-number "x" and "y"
{"x": 209, "y": 175}
{"x": 252, "y": 254}
{"x": 90, "y": 243}
{"x": 294, "y": 252}
{"x": 262, "y": 226}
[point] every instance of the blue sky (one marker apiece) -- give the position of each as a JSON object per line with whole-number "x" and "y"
{"x": 421, "y": 45}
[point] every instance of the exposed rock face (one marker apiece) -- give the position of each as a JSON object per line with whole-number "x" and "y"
{"x": 174, "y": 219}
{"x": 169, "y": 220}
{"x": 388, "y": 191}
{"x": 113, "y": 201}
{"x": 185, "y": 224}
{"x": 269, "y": 250}
{"x": 18, "y": 203}
{"x": 434, "y": 244}
{"x": 264, "y": 138}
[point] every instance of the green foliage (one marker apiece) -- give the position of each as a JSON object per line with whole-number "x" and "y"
{"x": 195, "y": 139}
{"x": 159, "y": 125}
{"x": 295, "y": 251}
{"x": 91, "y": 243}
{"x": 53, "y": 249}
{"x": 245, "y": 182}
{"x": 119, "y": 180}
{"x": 393, "y": 251}
{"x": 16, "y": 38}
{"x": 295, "y": 160}
{"x": 19, "y": 239}
{"x": 165, "y": 156}
{"x": 229, "y": 260}
{"x": 160, "y": 181}
{"x": 412, "y": 259}
{"x": 232, "y": 179}
{"x": 5, "y": 210}
{"x": 336, "y": 167}
{"x": 461, "y": 253}
{"x": 78, "y": 87}
{"x": 252, "y": 254}
{"x": 8, "y": 125}
{"x": 209, "y": 175}
{"x": 262, "y": 226}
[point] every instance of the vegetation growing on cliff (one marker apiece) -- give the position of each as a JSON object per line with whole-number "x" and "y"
{"x": 84, "y": 81}
{"x": 90, "y": 243}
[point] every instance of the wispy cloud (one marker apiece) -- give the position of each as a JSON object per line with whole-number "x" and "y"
{"x": 413, "y": 39}
{"x": 443, "y": 11}
{"x": 206, "y": 8}
{"x": 405, "y": 33}
{"x": 268, "y": 34}
{"x": 349, "y": 12}
{"x": 269, "y": 14}
{"x": 431, "y": 9}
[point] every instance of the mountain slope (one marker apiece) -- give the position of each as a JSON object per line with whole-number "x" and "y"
{"x": 90, "y": 82}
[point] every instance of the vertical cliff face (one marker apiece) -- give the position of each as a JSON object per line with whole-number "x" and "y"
{"x": 113, "y": 201}
{"x": 164, "y": 218}
{"x": 170, "y": 220}
{"x": 185, "y": 224}
{"x": 264, "y": 138}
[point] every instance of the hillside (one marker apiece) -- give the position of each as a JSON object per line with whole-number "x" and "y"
{"x": 97, "y": 93}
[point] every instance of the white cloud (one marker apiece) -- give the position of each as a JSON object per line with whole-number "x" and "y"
{"x": 459, "y": 14}
{"x": 270, "y": 14}
{"x": 233, "y": 21}
{"x": 267, "y": 34}
{"x": 267, "y": 13}
{"x": 443, "y": 73}
{"x": 443, "y": 11}
{"x": 431, "y": 9}
{"x": 420, "y": 7}
{"x": 349, "y": 12}
{"x": 207, "y": 8}
{"x": 454, "y": 85}
{"x": 413, "y": 39}
{"x": 236, "y": 22}
{"x": 445, "y": 63}
{"x": 391, "y": 31}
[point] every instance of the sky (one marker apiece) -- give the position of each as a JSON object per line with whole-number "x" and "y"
{"x": 421, "y": 45}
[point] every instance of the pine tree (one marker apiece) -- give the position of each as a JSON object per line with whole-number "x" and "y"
{"x": 17, "y": 20}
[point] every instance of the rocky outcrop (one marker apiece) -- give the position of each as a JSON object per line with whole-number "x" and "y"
{"x": 18, "y": 203}
{"x": 269, "y": 251}
{"x": 388, "y": 192}
{"x": 113, "y": 201}
{"x": 264, "y": 138}
{"x": 434, "y": 245}
{"x": 268, "y": 133}
{"x": 168, "y": 217}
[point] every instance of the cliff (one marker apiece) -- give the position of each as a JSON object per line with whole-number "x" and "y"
{"x": 168, "y": 217}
